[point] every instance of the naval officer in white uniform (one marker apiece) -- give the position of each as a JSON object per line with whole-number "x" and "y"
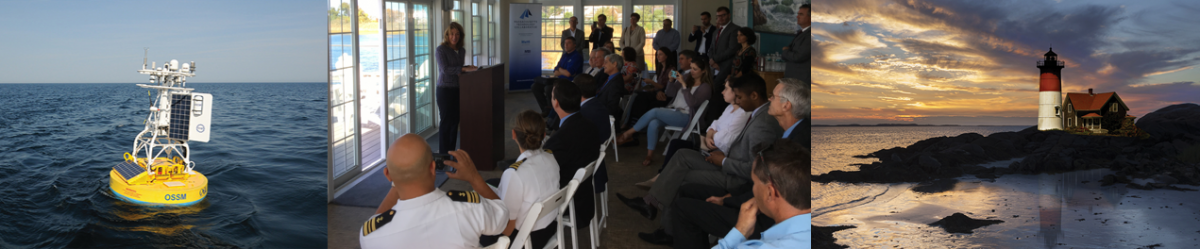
{"x": 418, "y": 215}
{"x": 530, "y": 180}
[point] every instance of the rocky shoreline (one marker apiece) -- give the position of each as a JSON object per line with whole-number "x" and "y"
{"x": 1169, "y": 156}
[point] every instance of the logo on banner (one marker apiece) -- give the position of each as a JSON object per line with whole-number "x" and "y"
{"x": 526, "y": 14}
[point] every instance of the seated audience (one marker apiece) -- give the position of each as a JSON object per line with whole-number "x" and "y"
{"x": 650, "y": 93}
{"x": 720, "y": 134}
{"x": 417, "y": 214}
{"x": 729, "y": 172}
{"x": 701, "y": 209}
{"x": 689, "y": 96}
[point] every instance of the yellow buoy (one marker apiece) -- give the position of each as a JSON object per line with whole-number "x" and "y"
{"x": 159, "y": 169}
{"x": 167, "y": 183}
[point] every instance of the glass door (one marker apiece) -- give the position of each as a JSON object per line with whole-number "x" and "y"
{"x": 380, "y": 69}
{"x": 422, "y": 64}
{"x": 408, "y": 68}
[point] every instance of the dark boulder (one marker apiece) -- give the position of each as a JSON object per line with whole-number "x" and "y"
{"x": 960, "y": 223}
{"x": 1176, "y": 121}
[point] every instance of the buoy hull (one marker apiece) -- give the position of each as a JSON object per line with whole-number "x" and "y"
{"x": 170, "y": 192}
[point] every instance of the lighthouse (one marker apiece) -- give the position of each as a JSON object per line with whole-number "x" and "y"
{"x": 1050, "y": 92}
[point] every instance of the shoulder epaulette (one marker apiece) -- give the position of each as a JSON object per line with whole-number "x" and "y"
{"x": 517, "y": 164}
{"x": 378, "y": 221}
{"x": 548, "y": 151}
{"x": 464, "y": 196}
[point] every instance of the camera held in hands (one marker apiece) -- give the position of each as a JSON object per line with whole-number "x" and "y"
{"x": 440, "y": 159}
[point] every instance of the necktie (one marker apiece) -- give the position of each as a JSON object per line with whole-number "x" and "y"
{"x": 718, "y": 38}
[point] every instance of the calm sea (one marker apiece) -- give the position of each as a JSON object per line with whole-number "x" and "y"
{"x": 1066, "y": 210}
{"x": 266, "y": 165}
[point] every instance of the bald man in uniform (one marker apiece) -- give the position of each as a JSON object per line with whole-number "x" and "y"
{"x": 415, "y": 214}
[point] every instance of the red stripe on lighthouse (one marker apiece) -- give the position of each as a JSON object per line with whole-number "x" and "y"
{"x": 1050, "y": 82}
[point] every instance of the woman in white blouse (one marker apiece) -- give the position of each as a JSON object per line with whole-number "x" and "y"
{"x": 724, "y": 130}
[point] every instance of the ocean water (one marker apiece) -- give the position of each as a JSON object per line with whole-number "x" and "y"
{"x": 1066, "y": 210}
{"x": 266, "y": 165}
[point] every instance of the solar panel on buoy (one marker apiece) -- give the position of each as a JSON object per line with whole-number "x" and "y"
{"x": 129, "y": 169}
{"x": 181, "y": 110}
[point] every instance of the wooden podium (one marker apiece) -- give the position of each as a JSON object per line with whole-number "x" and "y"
{"x": 481, "y": 110}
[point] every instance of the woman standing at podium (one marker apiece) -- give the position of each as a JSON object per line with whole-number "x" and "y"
{"x": 450, "y": 56}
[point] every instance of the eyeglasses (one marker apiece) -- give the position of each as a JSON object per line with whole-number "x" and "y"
{"x": 763, "y": 163}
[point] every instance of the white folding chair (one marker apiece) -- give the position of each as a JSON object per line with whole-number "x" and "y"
{"x": 679, "y": 132}
{"x": 557, "y": 238}
{"x": 570, "y": 220}
{"x": 502, "y": 243}
{"x": 612, "y": 137}
{"x": 554, "y": 202}
{"x": 598, "y": 217}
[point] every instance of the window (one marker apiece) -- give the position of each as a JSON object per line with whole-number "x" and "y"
{"x": 1113, "y": 108}
{"x": 476, "y": 36}
{"x": 652, "y": 21}
{"x": 554, "y": 20}
{"x": 493, "y": 47}
{"x": 456, "y": 14}
{"x": 342, "y": 129}
{"x": 612, "y": 12}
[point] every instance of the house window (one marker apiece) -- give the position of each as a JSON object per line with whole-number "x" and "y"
{"x": 652, "y": 21}
{"x": 456, "y": 14}
{"x": 1113, "y": 108}
{"x": 476, "y": 36}
{"x": 493, "y": 47}
{"x": 554, "y": 20}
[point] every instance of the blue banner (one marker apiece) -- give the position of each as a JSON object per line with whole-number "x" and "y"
{"x": 524, "y": 44}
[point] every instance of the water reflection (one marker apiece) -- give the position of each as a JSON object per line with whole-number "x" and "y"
{"x": 1058, "y": 191}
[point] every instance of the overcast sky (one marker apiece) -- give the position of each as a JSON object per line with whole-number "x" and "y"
{"x": 103, "y": 41}
{"x": 974, "y": 62}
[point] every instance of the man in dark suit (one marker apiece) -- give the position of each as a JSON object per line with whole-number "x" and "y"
{"x": 574, "y": 145}
{"x": 725, "y": 45}
{"x": 596, "y": 113}
{"x": 601, "y": 32}
{"x": 798, "y": 54}
{"x": 724, "y": 49}
{"x": 611, "y": 91}
{"x": 702, "y": 34}
{"x": 730, "y": 172}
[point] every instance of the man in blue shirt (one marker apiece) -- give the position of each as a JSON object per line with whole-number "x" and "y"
{"x": 781, "y": 175}
{"x": 569, "y": 65}
{"x": 571, "y": 62}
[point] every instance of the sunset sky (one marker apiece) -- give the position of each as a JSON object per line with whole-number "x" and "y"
{"x": 974, "y": 62}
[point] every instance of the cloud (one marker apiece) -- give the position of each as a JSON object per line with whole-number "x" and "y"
{"x": 951, "y": 58}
